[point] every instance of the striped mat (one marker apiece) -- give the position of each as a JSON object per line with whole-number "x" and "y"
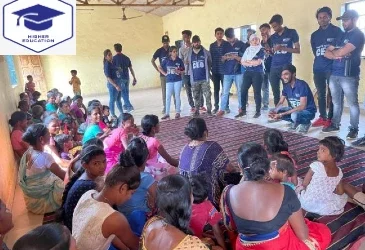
{"x": 231, "y": 134}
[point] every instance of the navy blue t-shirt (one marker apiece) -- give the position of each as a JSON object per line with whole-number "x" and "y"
{"x": 170, "y": 66}
{"x": 259, "y": 68}
{"x": 122, "y": 63}
{"x": 162, "y": 55}
{"x": 286, "y": 39}
{"x": 356, "y": 38}
{"x": 110, "y": 70}
{"x": 300, "y": 89}
{"x": 268, "y": 56}
{"x": 216, "y": 53}
{"x": 198, "y": 66}
{"x": 320, "y": 40}
{"x": 233, "y": 67}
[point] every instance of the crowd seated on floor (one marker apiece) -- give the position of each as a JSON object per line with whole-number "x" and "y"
{"x": 115, "y": 186}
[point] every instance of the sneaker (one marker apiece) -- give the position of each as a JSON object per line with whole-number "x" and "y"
{"x": 220, "y": 113}
{"x": 330, "y": 129}
{"x": 360, "y": 142}
{"x": 240, "y": 114}
{"x": 327, "y": 123}
{"x": 228, "y": 111}
{"x": 257, "y": 115}
{"x": 215, "y": 111}
{"x": 177, "y": 115}
{"x": 320, "y": 122}
{"x": 265, "y": 108}
{"x": 293, "y": 127}
{"x": 165, "y": 117}
{"x": 203, "y": 109}
{"x": 303, "y": 128}
{"x": 352, "y": 135}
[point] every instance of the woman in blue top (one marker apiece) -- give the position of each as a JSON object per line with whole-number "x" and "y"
{"x": 115, "y": 94}
{"x": 172, "y": 68}
{"x": 252, "y": 60}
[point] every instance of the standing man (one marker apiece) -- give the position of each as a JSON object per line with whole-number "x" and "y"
{"x": 200, "y": 63}
{"x": 162, "y": 54}
{"x": 183, "y": 54}
{"x": 266, "y": 43}
{"x": 124, "y": 65}
{"x": 232, "y": 54}
{"x": 325, "y": 36}
{"x": 285, "y": 42}
{"x": 344, "y": 79}
{"x": 215, "y": 50}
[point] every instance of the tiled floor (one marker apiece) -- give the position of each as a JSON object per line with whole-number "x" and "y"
{"x": 149, "y": 102}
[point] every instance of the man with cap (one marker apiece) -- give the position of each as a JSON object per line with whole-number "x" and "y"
{"x": 344, "y": 79}
{"x": 162, "y": 54}
{"x": 326, "y": 35}
{"x": 200, "y": 63}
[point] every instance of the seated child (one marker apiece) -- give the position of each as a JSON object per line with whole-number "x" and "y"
{"x": 18, "y": 122}
{"x": 37, "y": 114}
{"x": 35, "y": 97}
{"x": 142, "y": 202}
{"x": 51, "y": 102}
{"x": 323, "y": 192}
{"x": 106, "y": 114}
{"x": 64, "y": 110}
{"x": 282, "y": 168}
{"x": 24, "y": 97}
{"x": 117, "y": 141}
{"x": 159, "y": 163}
{"x": 76, "y": 109}
{"x": 24, "y": 106}
{"x": 64, "y": 144}
{"x": 204, "y": 213}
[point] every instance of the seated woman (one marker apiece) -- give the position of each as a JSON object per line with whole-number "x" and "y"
{"x": 95, "y": 223}
{"x": 267, "y": 215}
{"x": 170, "y": 229}
{"x": 49, "y": 236}
{"x": 6, "y": 224}
{"x": 76, "y": 109}
{"x": 93, "y": 129}
{"x": 40, "y": 178}
{"x": 19, "y": 123}
{"x": 204, "y": 157}
{"x": 159, "y": 162}
{"x": 143, "y": 200}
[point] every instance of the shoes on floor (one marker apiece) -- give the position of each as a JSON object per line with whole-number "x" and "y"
{"x": 196, "y": 113}
{"x": 165, "y": 117}
{"x": 265, "y": 108}
{"x": 257, "y": 115}
{"x": 192, "y": 110}
{"x": 209, "y": 113}
{"x": 240, "y": 114}
{"x": 303, "y": 128}
{"x": 202, "y": 109}
{"x": 331, "y": 129}
{"x": 321, "y": 122}
{"x": 228, "y": 111}
{"x": 360, "y": 142}
{"x": 215, "y": 111}
{"x": 293, "y": 127}
{"x": 352, "y": 135}
{"x": 220, "y": 113}
{"x": 177, "y": 115}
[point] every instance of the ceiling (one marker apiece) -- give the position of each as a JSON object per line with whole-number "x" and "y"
{"x": 155, "y": 7}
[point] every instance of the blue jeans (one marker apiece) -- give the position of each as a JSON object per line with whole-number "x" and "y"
{"x": 227, "y": 84}
{"x": 173, "y": 88}
{"x": 345, "y": 86}
{"x": 115, "y": 96}
{"x": 265, "y": 89}
{"x": 299, "y": 117}
{"x": 125, "y": 92}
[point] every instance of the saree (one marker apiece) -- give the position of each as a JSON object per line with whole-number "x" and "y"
{"x": 208, "y": 160}
{"x": 42, "y": 192}
{"x": 284, "y": 238}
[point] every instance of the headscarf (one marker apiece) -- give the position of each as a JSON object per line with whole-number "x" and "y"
{"x": 251, "y": 51}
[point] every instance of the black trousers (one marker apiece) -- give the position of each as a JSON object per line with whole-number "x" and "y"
{"x": 275, "y": 81}
{"x": 321, "y": 80}
{"x": 255, "y": 79}
{"x": 217, "y": 82}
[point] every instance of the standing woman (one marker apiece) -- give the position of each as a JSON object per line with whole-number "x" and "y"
{"x": 115, "y": 93}
{"x": 172, "y": 68}
{"x": 252, "y": 60}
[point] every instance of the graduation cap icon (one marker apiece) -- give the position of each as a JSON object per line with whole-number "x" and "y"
{"x": 37, "y": 17}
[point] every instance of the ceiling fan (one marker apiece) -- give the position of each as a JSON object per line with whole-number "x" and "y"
{"x": 124, "y": 17}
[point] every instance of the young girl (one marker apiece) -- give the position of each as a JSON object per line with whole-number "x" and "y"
{"x": 51, "y": 102}
{"x": 93, "y": 130}
{"x": 203, "y": 212}
{"x": 172, "y": 68}
{"x": 142, "y": 201}
{"x": 117, "y": 141}
{"x": 155, "y": 165}
{"x": 19, "y": 123}
{"x": 63, "y": 145}
{"x": 85, "y": 179}
{"x": 282, "y": 168}
{"x": 95, "y": 223}
{"x": 323, "y": 192}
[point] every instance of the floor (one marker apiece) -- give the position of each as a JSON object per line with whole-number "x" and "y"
{"x": 149, "y": 102}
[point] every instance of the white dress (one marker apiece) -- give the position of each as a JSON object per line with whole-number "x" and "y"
{"x": 87, "y": 221}
{"x": 319, "y": 196}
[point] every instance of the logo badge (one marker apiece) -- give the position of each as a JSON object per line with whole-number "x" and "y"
{"x": 285, "y": 40}
{"x": 38, "y": 27}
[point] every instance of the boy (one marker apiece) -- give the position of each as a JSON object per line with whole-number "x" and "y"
{"x": 106, "y": 113}
{"x": 75, "y": 82}
{"x": 30, "y": 85}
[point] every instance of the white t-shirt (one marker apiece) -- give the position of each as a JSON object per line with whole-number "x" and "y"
{"x": 39, "y": 163}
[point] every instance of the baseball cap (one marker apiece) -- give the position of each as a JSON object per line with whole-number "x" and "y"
{"x": 165, "y": 39}
{"x": 195, "y": 39}
{"x": 349, "y": 14}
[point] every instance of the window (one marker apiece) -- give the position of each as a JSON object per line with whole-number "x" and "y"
{"x": 241, "y": 32}
{"x": 11, "y": 71}
{"x": 359, "y": 6}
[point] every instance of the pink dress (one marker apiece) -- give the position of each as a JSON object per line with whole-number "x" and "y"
{"x": 113, "y": 147}
{"x": 156, "y": 164}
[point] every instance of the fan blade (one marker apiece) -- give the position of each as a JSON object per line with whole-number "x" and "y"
{"x": 133, "y": 17}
